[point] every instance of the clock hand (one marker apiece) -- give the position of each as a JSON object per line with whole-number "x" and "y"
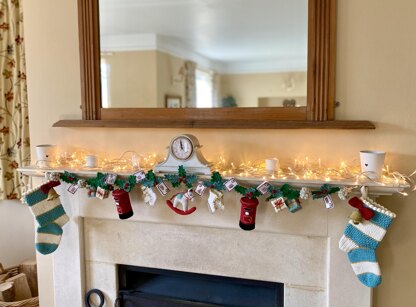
{"x": 180, "y": 142}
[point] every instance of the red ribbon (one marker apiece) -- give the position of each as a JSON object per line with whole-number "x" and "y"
{"x": 47, "y": 186}
{"x": 366, "y": 213}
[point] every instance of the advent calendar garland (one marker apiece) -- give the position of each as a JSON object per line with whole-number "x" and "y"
{"x": 280, "y": 198}
{"x": 109, "y": 182}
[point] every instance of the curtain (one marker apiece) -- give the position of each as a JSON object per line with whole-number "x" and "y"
{"x": 14, "y": 125}
{"x": 190, "y": 84}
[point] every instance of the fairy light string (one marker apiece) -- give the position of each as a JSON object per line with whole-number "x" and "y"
{"x": 304, "y": 169}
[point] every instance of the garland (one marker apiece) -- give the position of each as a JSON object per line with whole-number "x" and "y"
{"x": 149, "y": 180}
{"x": 181, "y": 178}
{"x": 324, "y": 191}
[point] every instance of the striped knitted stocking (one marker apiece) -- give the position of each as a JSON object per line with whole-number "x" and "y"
{"x": 361, "y": 240}
{"x": 46, "y": 207}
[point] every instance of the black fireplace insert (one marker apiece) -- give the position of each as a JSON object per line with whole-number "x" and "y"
{"x": 139, "y": 286}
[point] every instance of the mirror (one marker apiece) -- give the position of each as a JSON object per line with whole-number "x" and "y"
{"x": 211, "y": 36}
{"x": 203, "y": 53}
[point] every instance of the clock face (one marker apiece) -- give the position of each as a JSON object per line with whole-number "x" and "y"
{"x": 182, "y": 148}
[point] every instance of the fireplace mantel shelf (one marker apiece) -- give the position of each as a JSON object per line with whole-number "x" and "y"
{"x": 374, "y": 188}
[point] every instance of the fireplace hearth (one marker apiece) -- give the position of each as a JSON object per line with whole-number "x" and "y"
{"x": 149, "y": 287}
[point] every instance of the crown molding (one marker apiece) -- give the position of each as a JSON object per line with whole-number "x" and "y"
{"x": 142, "y": 42}
{"x": 111, "y": 4}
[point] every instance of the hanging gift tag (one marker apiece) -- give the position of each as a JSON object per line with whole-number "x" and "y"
{"x": 329, "y": 203}
{"x": 231, "y": 184}
{"x": 162, "y": 188}
{"x": 200, "y": 189}
{"x": 278, "y": 204}
{"x": 140, "y": 176}
{"x": 111, "y": 178}
{"x": 263, "y": 188}
{"x": 101, "y": 193}
{"x": 73, "y": 188}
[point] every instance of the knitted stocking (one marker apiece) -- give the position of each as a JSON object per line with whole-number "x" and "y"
{"x": 361, "y": 240}
{"x": 46, "y": 207}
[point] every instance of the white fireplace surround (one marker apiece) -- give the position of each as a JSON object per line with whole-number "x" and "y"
{"x": 299, "y": 250}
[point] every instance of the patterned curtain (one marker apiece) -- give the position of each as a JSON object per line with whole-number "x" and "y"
{"x": 14, "y": 125}
{"x": 190, "y": 84}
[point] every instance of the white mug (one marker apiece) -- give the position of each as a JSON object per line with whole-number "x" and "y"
{"x": 91, "y": 161}
{"x": 272, "y": 165}
{"x": 372, "y": 163}
{"x": 46, "y": 154}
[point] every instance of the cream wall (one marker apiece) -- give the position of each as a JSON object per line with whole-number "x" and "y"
{"x": 142, "y": 79}
{"x": 376, "y": 80}
{"x": 16, "y": 225}
{"x": 248, "y": 88}
{"x": 132, "y": 78}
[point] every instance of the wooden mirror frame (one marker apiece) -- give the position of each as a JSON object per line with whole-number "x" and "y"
{"x": 319, "y": 112}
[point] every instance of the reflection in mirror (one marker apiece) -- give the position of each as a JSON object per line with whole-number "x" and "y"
{"x": 203, "y": 53}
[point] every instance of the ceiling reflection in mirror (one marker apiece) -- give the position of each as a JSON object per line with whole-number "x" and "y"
{"x": 203, "y": 53}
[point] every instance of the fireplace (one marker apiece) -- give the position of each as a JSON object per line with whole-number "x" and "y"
{"x": 139, "y": 286}
{"x": 299, "y": 251}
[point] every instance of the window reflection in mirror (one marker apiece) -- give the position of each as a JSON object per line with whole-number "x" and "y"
{"x": 208, "y": 53}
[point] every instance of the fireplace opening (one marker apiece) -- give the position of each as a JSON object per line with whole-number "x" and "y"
{"x": 139, "y": 286}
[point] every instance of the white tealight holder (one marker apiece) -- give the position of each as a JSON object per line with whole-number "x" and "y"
{"x": 272, "y": 165}
{"x": 372, "y": 163}
{"x": 46, "y": 154}
{"x": 91, "y": 161}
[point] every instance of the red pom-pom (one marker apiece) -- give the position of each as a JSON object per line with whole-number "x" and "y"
{"x": 366, "y": 213}
{"x": 47, "y": 186}
{"x": 356, "y": 202}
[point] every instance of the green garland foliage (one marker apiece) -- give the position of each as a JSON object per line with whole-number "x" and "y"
{"x": 151, "y": 180}
{"x": 285, "y": 191}
{"x": 99, "y": 181}
{"x": 69, "y": 177}
{"x": 325, "y": 190}
{"x": 216, "y": 182}
{"x": 177, "y": 179}
{"x": 289, "y": 192}
{"x": 251, "y": 193}
{"x": 127, "y": 185}
{"x": 275, "y": 192}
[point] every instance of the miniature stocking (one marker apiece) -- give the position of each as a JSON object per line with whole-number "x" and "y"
{"x": 47, "y": 209}
{"x": 149, "y": 196}
{"x": 215, "y": 200}
{"x": 360, "y": 241}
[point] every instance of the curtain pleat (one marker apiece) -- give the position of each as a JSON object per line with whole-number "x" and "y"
{"x": 14, "y": 121}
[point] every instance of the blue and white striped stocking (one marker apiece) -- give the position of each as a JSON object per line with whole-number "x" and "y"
{"x": 361, "y": 240}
